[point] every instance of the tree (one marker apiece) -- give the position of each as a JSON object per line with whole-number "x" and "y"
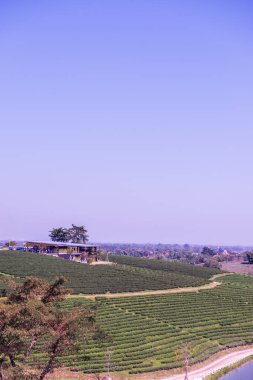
{"x": 75, "y": 234}
{"x": 250, "y": 257}
{"x": 78, "y": 234}
{"x": 108, "y": 361}
{"x": 185, "y": 354}
{"x": 207, "y": 251}
{"x": 65, "y": 331}
{"x": 212, "y": 262}
{"x": 31, "y": 314}
{"x": 60, "y": 234}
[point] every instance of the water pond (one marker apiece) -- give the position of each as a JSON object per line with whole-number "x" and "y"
{"x": 245, "y": 372}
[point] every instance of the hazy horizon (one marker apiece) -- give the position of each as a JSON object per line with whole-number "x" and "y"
{"x": 145, "y": 243}
{"x": 132, "y": 118}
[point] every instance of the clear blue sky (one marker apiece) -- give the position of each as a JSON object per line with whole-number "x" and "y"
{"x": 134, "y": 118}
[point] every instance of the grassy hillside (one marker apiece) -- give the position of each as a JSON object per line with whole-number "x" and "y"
{"x": 148, "y": 331}
{"x": 166, "y": 266}
{"x": 126, "y": 274}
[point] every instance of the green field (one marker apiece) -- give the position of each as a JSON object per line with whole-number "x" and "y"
{"x": 125, "y": 275}
{"x": 148, "y": 331}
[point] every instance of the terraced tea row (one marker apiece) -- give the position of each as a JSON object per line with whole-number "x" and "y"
{"x": 118, "y": 277}
{"x": 166, "y": 266}
{"x": 147, "y": 332}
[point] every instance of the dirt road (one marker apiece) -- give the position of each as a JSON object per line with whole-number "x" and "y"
{"x": 208, "y": 369}
{"x": 211, "y": 285}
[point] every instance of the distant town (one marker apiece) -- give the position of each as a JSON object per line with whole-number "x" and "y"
{"x": 210, "y": 256}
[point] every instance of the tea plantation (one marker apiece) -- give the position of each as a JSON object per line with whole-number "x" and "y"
{"x": 166, "y": 266}
{"x": 126, "y": 274}
{"x": 148, "y": 331}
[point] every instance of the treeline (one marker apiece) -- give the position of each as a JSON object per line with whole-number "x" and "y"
{"x": 196, "y": 255}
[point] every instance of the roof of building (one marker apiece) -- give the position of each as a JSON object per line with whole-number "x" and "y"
{"x": 59, "y": 243}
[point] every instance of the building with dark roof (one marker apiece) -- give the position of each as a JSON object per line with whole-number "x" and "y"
{"x": 71, "y": 251}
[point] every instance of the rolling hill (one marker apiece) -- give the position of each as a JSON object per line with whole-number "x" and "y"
{"x": 126, "y": 274}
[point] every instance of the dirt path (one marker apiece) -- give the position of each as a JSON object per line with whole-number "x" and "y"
{"x": 211, "y": 285}
{"x": 217, "y": 364}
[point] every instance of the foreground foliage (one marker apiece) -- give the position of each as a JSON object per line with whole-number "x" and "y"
{"x": 125, "y": 275}
{"x": 30, "y": 316}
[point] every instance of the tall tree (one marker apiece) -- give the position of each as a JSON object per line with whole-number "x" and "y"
{"x": 31, "y": 314}
{"x": 78, "y": 234}
{"x": 60, "y": 234}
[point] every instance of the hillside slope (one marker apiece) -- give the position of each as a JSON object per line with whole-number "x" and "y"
{"x": 125, "y": 275}
{"x": 147, "y": 332}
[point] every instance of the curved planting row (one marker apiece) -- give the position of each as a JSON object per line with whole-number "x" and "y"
{"x": 148, "y": 332}
{"x": 165, "y": 265}
{"x": 128, "y": 276}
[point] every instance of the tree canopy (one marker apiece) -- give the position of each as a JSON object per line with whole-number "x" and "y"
{"x": 59, "y": 234}
{"x": 207, "y": 251}
{"x": 30, "y": 315}
{"x": 75, "y": 234}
